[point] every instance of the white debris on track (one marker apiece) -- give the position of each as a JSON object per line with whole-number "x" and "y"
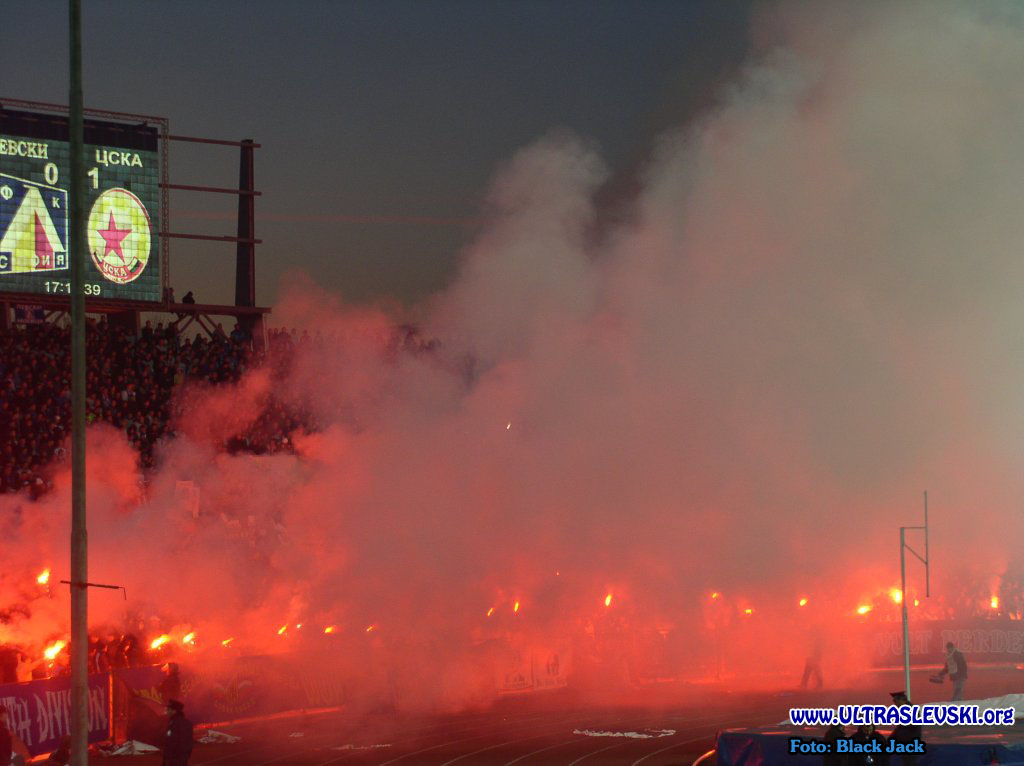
{"x": 131, "y": 747}
{"x": 212, "y": 736}
{"x": 358, "y": 747}
{"x": 645, "y": 734}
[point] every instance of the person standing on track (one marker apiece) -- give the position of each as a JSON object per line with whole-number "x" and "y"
{"x": 904, "y": 734}
{"x": 178, "y": 741}
{"x": 6, "y": 740}
{"x": 62, "y": 755}
{"x": 833, "y": 734}
{"x": 956, "y": 669}
{"x": 170, "y": 686}
{"x": 812, "y": 666}
{"x": 863, "y": 736}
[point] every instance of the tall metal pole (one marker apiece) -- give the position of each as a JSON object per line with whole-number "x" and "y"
{"x": 903, "y": 587}
{"x": 927, "y": 569}
{"x": 79, "y": 543}
{"x": 903, "y": 602}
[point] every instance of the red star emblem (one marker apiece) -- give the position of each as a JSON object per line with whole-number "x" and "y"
{"x": 113, "y": 236}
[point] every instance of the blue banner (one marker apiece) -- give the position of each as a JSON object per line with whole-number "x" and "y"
{"x": 25, "y": 313}
{"x": 39, "y": 712}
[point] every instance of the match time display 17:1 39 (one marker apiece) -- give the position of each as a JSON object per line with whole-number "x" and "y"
{"x": 64, "y": 288}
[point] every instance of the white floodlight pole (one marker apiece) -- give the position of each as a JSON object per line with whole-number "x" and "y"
{"x": 903, "y": 588}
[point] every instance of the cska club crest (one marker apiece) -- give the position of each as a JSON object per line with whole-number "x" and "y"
{"x": 120, "y": 235}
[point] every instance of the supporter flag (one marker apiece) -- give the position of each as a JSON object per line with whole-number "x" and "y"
{"x": 29, "y": 313}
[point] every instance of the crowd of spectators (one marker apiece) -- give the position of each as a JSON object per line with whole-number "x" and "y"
{"x": 133, "y": 382}
{"x": 131, "y": 379}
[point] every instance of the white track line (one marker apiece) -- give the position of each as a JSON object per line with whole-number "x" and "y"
{"x": 595, "y": 752}
{"x": 492, "y": 747}
{"x": 524, "y": 720}
{"x": 470, "y": 723}
{"x": 474, "y": 722}
{"x": 542, "y": 750}
{"x": 510, "y": 742}
{"x": 452, "y": 742}
{"x": 670, "y": 747}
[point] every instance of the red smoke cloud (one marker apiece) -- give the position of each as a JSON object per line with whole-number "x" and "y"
{"x": 812, "y": 315}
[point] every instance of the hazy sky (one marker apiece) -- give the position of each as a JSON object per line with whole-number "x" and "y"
{"x": 381, "y": 122}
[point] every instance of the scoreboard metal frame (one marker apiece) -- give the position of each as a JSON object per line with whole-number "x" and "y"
{"x": 121, "y": 239}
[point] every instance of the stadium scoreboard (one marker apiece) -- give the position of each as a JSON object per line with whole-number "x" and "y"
{"x": 122, "y": 208}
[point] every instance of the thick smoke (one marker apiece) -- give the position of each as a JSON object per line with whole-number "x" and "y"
{"x": 812, "y": 315}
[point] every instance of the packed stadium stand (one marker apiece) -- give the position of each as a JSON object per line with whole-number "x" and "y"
{"x": 132, "y": 382}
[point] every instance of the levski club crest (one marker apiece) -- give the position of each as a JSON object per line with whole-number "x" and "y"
{"x": 119, "y": 235}
{"x": 33, "y": 227}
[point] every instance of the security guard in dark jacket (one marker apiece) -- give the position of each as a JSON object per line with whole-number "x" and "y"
{"x": 178, "y": 742}
{"x": 904, "y": 734}
{"x": 6, "y": 740}
{"x": 170, "y": 686}
{"x": 863, "y": 736}
{"x": 834, "y": 733}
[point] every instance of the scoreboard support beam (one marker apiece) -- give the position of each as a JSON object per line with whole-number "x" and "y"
{"x": 245, "y": 261}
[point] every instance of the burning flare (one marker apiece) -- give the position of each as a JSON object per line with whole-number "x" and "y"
{"x": 748, "y": 611}
{"x": 608, "y": 600}
{"x": 371, "y": 628}
{"x": 863, "y": 609}
{"x": 803, "y": 602}
{"x": 715, "y": 595}
{"x": 44, "y": 577}
{"x": 159, "y": 641}
{"x": 54, "y": 649}
{"x": 490, "y": 611}
{"x": 227, "y": 641}
{"x": 189, "y": 638}
{"x": 281, "y": 631}
{"x": 896, "y": 595}
{"x": 994, "y": 603}
{"x": 515, "y": 607}
{"x": 330, "y": 628}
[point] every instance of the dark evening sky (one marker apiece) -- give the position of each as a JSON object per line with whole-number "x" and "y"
{"x": 381, "y": 122}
